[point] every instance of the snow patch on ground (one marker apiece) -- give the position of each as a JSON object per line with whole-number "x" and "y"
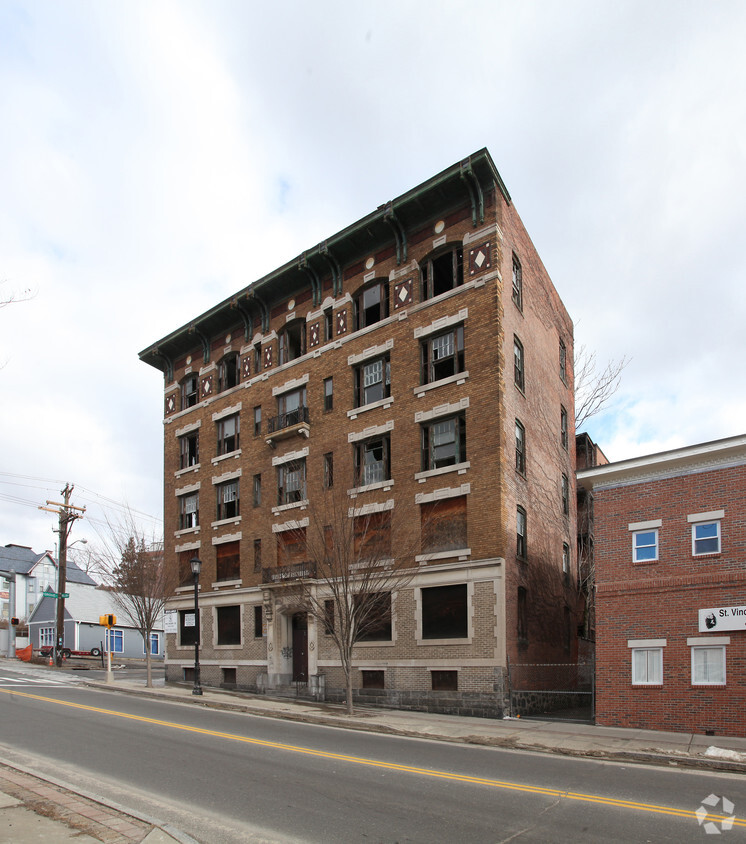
{"x": 724, "y": 753}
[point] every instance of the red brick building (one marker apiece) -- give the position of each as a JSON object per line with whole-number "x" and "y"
{"x": 670, "y": 570}
{"x": 421, "y": 358}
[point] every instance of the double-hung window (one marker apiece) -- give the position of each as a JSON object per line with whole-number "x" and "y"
{"x": 372, "y": 381}
{"x": 645, "y": 546}
{"x": 291, "y": 482}
{"x": 189, "y": 450}
{"x": 517, "y": 284}
{"x": 189, "y": 511}
{"x": 706, "y": 538}
{"x": 189, "y": 391}
{"x": 228, "y": 434}
{"x": 372, "y": 461}
{"x": 228, "y": 503}
{"x": 520, "y": 448}
{"x": 443, "y": 443}
{"x": 563, "y": 428}
{"x": 443, "y": 355}
{"x": 521, "y": 532}
{"x": 519, "y": 365}
{"x": 228, "y": 372}
{"x": 155, "y": 644}
{"x": 291, "y": 407}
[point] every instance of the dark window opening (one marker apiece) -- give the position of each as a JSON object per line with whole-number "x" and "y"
{"x": 328, "y": 470}
{"x": 522, "y": 614}
{"x": 257, "y": 421}
{"x": 189, "y": 450}
{"x": 228, "y": 560}
{"x": 258, "y": 622}
{"x": 257, "y": 499}
{"x": 187, "y": 628}
{"x": 444, "y": 681}
{"x": 228, "y": 372}
{"x": 372, "y": 305}
{"x": 442, "y": 273}
{"x": 372, "y": 679}
{"x": 329, "y": 617}
{"x": 229, "y": 676}
{"x": 257, "y": 555}
{"x": 444, "y": 612}
{"x": 292, "y": 341}
{"x": 229, "y": 625}
{"x": 373, "y": 617}
{"x": 563, "y": 428}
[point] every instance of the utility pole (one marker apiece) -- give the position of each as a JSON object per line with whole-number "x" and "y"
{"x": 67, "y": 519}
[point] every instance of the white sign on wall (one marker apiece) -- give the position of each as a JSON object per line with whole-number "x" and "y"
{"x": 170, "y": 621}
{"x": 716, "y": 619}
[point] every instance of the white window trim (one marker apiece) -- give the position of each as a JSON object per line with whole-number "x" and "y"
{"x": 641, "y": 526}
{"x": 294, "y": 384}
{"x": 637, "y": 682}
{"x": 697, "y": 524}
{"x": 710, "y": 646}
{"x": 234, "y": 410}
{"x": 635, "y": 547}
{"x": 441, "y": 324}
{"x": 712, "y": 516}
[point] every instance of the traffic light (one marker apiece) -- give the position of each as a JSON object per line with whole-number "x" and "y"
{"x": 107, "y": 620}
{"x": 14, "y": 621}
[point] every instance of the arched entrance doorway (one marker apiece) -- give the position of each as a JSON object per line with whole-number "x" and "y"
{"x": 300, "y": 647}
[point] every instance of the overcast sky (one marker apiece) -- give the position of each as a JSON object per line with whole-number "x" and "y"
{"x": 157, "y": 156}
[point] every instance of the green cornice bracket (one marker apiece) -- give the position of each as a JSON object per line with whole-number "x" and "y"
{"x": 168, "y": 364}
{"x": 400, "y": 236}
{"x": 194, "y": 329}
{"x": 334, "y": 266}
{"x": 475, "y": 192}
{"x": 305, "y": 267}
{"x": 263, "y": 308}
{"x": 248, "y": 321}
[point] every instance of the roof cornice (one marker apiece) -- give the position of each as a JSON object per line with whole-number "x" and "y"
{"x": 689, "y": 459}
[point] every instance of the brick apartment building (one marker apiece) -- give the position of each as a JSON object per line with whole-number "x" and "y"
{"x": 421, "y": 361}
{"x": 670, "y": 567}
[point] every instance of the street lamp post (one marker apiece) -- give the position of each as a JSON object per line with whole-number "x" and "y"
{"x": 196, "y": 565}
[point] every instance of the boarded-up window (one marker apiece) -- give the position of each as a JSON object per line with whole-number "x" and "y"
{"x": 185, "y": 570}
{"x": 444, "y": 525}
{"x": 373, "y": 536}
{"x": 444, "y": 681}
{"x": 228, "y": 561}
{"x": 291, "y": 547}
{"x": 373, "y": 679}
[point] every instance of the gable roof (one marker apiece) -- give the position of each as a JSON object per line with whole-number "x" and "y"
{"x": 20, "y": 558}
{"x": 23, "y": 560}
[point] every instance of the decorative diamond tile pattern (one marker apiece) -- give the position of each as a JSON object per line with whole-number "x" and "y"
{"x": 403, "y": 293}
{"x": 268, "y": 357}
{"x": 479, "y": 258}
{"x": 341, "y": 322}
{"x": 246, "y": 367}
{"x": 206, "y": 386}
{"x": 314, "y": 336}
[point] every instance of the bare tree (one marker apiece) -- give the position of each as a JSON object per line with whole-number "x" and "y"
{"x": 353, "y": 560}
{"x": 10, "y": 298}
{"x": 594, "y": 388}
{"x": 140, "y": 582}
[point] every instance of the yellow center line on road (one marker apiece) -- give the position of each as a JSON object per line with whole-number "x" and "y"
{"x": 391, "y": 766}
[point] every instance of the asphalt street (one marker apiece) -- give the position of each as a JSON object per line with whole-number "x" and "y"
{"x": 228, "y": 777}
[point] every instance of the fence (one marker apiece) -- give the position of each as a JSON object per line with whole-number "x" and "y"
{"x": 563, "y": 690}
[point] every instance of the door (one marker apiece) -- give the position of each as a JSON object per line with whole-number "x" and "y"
{"x": 300, "y": 647}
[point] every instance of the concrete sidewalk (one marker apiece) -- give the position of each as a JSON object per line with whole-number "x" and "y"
{"x": 33, "y": 809}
